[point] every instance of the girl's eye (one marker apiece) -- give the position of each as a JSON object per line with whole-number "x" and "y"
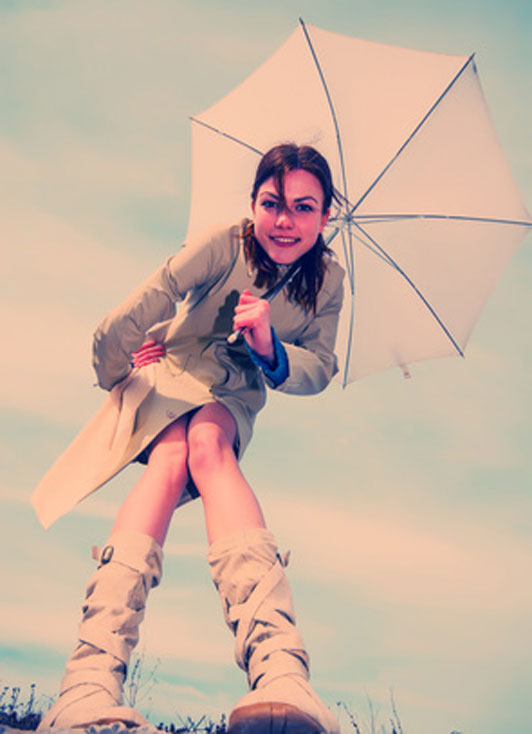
{"x": 269, "y": 204}
{"x": 304, "y": 208}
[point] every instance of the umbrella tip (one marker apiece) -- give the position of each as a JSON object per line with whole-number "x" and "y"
{"x": 406, "y": 371}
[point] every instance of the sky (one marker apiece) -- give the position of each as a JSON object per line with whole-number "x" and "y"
{"x": 406, "y": 503}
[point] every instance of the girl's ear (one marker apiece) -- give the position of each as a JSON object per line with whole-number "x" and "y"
{"x": 324, "y": 219}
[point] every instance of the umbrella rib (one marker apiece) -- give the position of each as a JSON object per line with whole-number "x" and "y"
{"x": 347, "y": 247}
{"x": 226, "y": 135}
{"x": 336, "y": 129}
{"x": 413, "y": 133}
{"x": 452, "y": 217}
{"x": 330, "y": 103}
{"x": 414, "y": 288}
{"x": 390, "y": 218}
{"x": 351, "y": 279}
{"x": 363, "y": 242}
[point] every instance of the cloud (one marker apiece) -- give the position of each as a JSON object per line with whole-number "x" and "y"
{"x": 58, "y": 284}
{"x": 414, "y": 559}
{"x": 135, "y": 81}
{"x": 196, "y": 550}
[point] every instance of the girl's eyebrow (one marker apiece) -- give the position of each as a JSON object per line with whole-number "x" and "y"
{"x": 299, "y": 199}
{"x": 269, "y": 193}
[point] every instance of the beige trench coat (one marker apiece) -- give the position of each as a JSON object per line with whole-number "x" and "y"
{"x": 207, "y": 275}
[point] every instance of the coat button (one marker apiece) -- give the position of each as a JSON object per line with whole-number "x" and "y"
{"x": 170, "y": 414}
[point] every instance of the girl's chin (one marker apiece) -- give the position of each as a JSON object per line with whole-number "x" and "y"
{"x": 284, "y": 258}
{"x": 283, "y": 255}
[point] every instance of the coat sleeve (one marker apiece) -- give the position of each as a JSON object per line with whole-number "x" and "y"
{"x": 311, "y": 359}
{"x": 124, "y": 329}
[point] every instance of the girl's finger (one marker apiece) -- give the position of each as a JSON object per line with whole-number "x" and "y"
{"x": 256, "y": 303}
{"x": 145, "y": 346}
{"x": 252, "y": 311}
{"x": 244, "y": 324}
{"x": 247, "y": 297}
{"x": 150, "y": 353}
{"x": 145, "y": 362}
{"x": 156, "y": 349}
{"x": 147, "y": 359}
{"x": 246, "y": 308}
{"x": 160, "y": 350}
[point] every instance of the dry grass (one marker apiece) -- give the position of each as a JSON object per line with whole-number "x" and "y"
{"x": 25, "y": 712}
{"x": 17, "y": 713}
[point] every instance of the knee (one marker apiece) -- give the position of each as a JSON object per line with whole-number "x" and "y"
{"x": 170, "y": 448}
{"x": 208, "y": 449}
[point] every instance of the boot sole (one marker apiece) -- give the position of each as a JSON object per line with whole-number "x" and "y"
{"x": 272, "y": 718}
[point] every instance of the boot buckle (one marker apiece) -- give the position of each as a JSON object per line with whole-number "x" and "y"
{"x": 107, "y": 554}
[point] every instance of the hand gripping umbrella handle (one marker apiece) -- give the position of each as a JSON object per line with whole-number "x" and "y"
{"x": 269, "y": 296}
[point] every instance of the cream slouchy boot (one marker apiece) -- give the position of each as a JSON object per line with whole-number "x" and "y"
{"x": 249, "y": 575}
{"x": 91, "y": 689}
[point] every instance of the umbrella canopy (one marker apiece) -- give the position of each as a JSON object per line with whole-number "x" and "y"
{"x": 431, "y": 213}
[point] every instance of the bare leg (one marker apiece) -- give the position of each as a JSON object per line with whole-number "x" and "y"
{"x": 149, "y": 506}
{"x": 228, "y": 500}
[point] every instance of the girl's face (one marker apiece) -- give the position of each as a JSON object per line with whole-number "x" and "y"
{"x": 289, "y": 231}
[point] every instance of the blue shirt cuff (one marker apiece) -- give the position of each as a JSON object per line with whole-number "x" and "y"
{"x": 278, "y": 372}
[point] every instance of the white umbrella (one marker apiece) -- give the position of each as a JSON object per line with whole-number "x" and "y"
{"x": 432, "y": 214}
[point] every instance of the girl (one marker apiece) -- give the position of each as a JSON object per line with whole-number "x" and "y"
{"x": 193, "y": 417}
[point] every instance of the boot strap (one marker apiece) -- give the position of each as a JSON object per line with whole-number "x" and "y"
{"x": 116, "y": 643}
{"x": 244, "y": 615}
{"x": 275, "y": 660}
{"x": 93, "y": 678}
{"x": 255, "y": 610}
{"x": 144, "y": 555}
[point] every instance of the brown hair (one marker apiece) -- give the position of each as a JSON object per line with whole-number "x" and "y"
{"x": 276, "y": 163}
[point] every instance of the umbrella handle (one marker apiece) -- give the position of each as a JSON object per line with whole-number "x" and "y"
{"x": 234, "y": 337}
{"x": 269, "y": 296}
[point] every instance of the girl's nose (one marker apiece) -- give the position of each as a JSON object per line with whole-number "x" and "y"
{"x": 284, "y": 217}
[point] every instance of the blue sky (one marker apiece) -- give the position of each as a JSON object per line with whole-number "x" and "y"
{"x": 406, "y": 504}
